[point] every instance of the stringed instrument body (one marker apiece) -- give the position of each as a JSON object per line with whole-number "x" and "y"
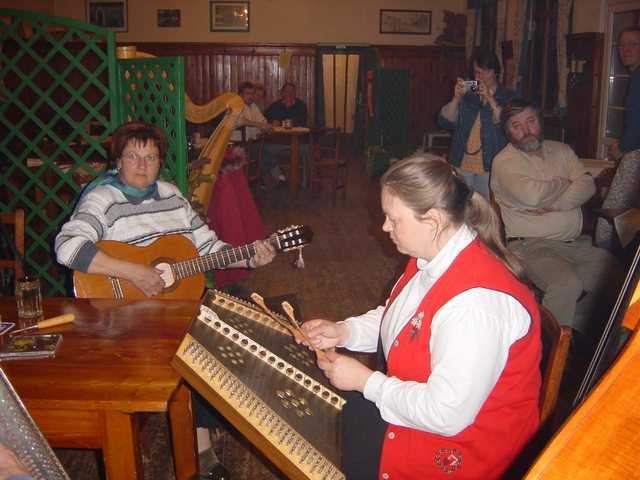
{"x": 176, "y": 257}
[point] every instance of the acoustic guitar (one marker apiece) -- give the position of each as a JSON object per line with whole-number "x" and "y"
{"x": 181, "y": 268}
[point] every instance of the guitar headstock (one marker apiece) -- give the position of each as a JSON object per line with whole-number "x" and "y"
{"x": 293, "y": 236}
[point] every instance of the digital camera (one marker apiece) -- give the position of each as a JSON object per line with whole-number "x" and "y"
{"x": 470, "y": 86}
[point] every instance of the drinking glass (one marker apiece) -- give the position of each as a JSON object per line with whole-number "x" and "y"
{"x": 29, "y": 298}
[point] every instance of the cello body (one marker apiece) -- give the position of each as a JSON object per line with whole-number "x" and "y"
{"x": 601, "y": 439}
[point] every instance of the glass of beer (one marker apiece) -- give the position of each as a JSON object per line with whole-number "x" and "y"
{"x": 29, "y": 298}
{"x": 287, "y": 123}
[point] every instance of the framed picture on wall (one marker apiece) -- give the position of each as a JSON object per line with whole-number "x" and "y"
{"x": 229, "y": 16}
{"x": 111, "y": 15}
{"x": 405, "y": 22}
{"x": 169, "y": 18}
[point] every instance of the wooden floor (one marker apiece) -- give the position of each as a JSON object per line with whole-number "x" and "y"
{"x": 349, "y": 268}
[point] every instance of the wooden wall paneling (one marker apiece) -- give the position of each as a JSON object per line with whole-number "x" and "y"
{"x": 433, "y": 71}
{"x": 583, "y": 92}
{"x": 215, "y": 68}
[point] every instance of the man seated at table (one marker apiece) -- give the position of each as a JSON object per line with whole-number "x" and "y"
{"x": 289, "y": 108}
{"x": 131, "y": 205}
{"x": 251, "y": 117}
{"x": 540, "y": 186}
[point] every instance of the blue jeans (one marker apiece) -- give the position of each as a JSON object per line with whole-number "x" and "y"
{"x": 272, "y": 152}
{"x": 479, "y": 182}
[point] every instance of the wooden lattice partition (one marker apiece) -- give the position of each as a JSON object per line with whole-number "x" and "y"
{"x": 56, "y": 112}
{"x": 152, "y": 90}
{"x": 62, "y": 93}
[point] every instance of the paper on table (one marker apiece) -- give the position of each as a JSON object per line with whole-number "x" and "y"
{"x": 627, "y": 225}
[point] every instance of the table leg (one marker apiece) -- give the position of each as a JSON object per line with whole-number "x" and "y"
{"x": 185, "y": 455}
{"x": 294, "y": 180}
{"x": 121, "y": 446}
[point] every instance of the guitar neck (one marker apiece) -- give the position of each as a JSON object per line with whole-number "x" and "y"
{"x": 216, "y": 260}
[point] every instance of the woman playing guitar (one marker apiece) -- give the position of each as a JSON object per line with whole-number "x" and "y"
{"x": 131, "y": 205}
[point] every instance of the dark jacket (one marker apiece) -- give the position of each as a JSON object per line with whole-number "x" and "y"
{"x": 279, "y": 111}
{"x": 630, "y": 139}
{"x": 491, "y": 134}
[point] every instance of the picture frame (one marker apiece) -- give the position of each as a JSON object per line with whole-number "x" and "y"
{"x": 108, "y": 14}
{"x": 169, "y": 17}
{"x": 229, "y": 16}
{"x": 405, "y": 22}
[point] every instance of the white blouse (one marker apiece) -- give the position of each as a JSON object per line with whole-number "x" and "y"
{"x": 470, "y": 340}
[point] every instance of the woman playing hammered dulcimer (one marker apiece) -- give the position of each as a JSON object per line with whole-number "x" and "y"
{"x": 455, "y": 393}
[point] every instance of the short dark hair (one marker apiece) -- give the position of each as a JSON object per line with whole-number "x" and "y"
{"x": 516, "y": 106}
{"x": 486, "y": 59}
{"x": 244, "y": 86}
{"x": 139, "y": 132}
{"x": 287, "y": 84}
{"x": 631, "y": 29}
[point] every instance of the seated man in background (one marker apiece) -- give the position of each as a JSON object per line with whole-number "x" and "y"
{"x": 251, "y": 117}
{"x": 290, "y": 108}
{"x": 474, "y": 116}
{"x": 540, "y": 186}
{"x": 261, "y": 95}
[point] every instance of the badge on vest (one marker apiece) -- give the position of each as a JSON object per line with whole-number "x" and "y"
{"x": 416, "y": 323}
{"x": 448, "y": 459}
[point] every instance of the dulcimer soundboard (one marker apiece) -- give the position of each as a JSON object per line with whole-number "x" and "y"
{"x": 250, "y": 369}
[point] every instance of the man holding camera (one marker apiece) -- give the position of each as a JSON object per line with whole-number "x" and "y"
{"x": 474, "y": 115}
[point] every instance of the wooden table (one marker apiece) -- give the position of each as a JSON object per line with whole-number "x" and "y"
{"x": 293, "y": 134}
{"x": 113, "y": 363}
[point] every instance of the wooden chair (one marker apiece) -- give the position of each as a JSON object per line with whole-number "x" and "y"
{"x": 328, "y": 162}
{"x": 17, "y": 220}
{"x": 555, "y": 347}
{"x": 254, "y": 149}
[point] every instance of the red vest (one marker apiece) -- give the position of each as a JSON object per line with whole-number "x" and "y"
{"x": 508, "y": 418}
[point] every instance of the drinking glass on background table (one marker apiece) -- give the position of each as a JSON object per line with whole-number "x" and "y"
{"x": 29, "y": 300}
{"x": 287, "y": 123}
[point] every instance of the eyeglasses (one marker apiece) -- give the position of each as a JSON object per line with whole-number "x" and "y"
{"x": 134, "y": 157}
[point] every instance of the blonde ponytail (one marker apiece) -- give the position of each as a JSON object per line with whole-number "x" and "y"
{"x": 480, "y": 216}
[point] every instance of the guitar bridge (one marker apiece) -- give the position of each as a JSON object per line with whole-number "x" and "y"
{"x": 116, "y": 286}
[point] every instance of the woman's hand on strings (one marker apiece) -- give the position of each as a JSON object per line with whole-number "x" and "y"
{"x": 344, "y": 372}
{"x": 325, "y": 333}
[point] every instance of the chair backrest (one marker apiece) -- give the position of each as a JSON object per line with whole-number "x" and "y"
{"x": 555, "y": 347}
{"x": 17, "y": 220}
{"x": 496, "y": 207}
{"x": 327, "y": 144}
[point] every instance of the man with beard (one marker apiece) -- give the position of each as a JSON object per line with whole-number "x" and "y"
{"x": 540, "y": 186}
